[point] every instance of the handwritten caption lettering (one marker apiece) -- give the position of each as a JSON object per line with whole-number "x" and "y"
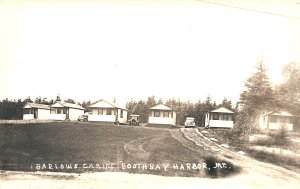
{"x": 129, "y": 166}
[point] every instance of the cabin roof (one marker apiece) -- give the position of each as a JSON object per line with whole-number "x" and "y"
{"x": 105, "y": 104}
{"x": 223, "y": 110}
{"x": 36, "y": 105}
{"x": 68, "y": 105}
{"x": 279, "y": 113}
{"x": 160, "y": 107}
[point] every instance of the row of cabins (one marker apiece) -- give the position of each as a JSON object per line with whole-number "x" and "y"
{"x": 56, "y": 111}
{"x": 104, "y": 111}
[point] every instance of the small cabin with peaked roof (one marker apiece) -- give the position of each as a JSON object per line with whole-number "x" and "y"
{"x": 65, "y": 111}
{"x": 274, "y": 120}
{"x": 36, "y": 111}
{"x": 105, "y": 111}
{"x": 162, "y": 114}
{"x": 219, "y": 118}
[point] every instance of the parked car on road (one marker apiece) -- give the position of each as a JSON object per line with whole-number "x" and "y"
{"x": 189, "y": 122}
{"x": 134, "y": 120}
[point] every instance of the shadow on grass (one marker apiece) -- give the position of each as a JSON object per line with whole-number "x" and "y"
{"x": 220, "y": 168}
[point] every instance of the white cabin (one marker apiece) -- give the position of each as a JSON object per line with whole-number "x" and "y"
{"x": 274, "y": 120}
{"x": 65, "y": 111}
{"x": 219, "y": 118}
{"x": 36, "y": 111}
{"x": 105, "y": 111}
{"x": 161, "y": 114}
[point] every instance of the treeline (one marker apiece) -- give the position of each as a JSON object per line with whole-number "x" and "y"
{"x": 183, "y": 109}
{"x": 12, "y": 109}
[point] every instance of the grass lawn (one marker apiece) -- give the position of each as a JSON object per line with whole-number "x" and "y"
{"x": 94, "y": 147}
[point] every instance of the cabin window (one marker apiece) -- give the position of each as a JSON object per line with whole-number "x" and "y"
{"x": 58, "y": 111}
{"x": 156, "y": 113}
{"x": 273, "y": 119}
{"x": 52, "y": 111}
{"x": 121, "y": 114}
{"x": 221, "y": 117}
{"x": 281, "y": 119}
{"x": 215, "y": 117}
{"x": 108, "y": 111}
{"x": 65, "y": 110}
{"x": 286, "y": 120}
{"x": 26, "y": 111}
{"x": 166, "y": 114}
{"x": 225, "y": 117}
{"x": 100, "y": 111}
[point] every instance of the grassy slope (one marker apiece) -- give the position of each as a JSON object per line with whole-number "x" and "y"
{"x": 64, "y": 142}
{"x": 24, "y": 145}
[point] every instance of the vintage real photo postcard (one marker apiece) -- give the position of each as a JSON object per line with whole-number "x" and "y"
{"x": 149, "y": 94}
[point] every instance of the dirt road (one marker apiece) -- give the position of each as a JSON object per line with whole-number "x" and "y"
{"x": 249, "y": 165}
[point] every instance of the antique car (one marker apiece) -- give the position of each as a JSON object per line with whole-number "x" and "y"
{"x": 83, "y": 118}
{"x": 189, "y": 122}
{"x": 134, "y": 120}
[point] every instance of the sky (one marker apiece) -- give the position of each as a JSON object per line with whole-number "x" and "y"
{"x": 90, "y": 50}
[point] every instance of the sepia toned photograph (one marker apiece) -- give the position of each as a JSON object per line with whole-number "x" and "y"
{"x": 149, "y": 94}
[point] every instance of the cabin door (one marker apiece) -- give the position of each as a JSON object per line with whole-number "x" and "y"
{"x": 67, "y": 113}
{"x": 207, "y": 119}
{"x": 117, "y": 115}
{"x": 35, "y": 113}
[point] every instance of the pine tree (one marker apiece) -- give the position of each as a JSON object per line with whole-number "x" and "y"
{"x": 151, "y": 101}
{"x": 38, "y": 100}
{"x": 257, "y": 98}
{"x": 226, "y": 104}
{"x": 28, "y": 99}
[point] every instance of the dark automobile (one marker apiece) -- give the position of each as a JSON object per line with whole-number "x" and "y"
{"x": 83, "y": 118}
{"x": 134, "y": 120}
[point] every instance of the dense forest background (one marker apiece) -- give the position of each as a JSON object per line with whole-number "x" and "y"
{"x": 259, "y": 96}
{"x": 12, "y": 109}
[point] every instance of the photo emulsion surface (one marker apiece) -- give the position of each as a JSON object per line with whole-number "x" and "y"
{"x": 149, "y": 94}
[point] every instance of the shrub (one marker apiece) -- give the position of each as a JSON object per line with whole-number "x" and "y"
{"x": 234, "y": 137}
{"x": 280, "y": 137}
{"x": 269, "y": 141}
